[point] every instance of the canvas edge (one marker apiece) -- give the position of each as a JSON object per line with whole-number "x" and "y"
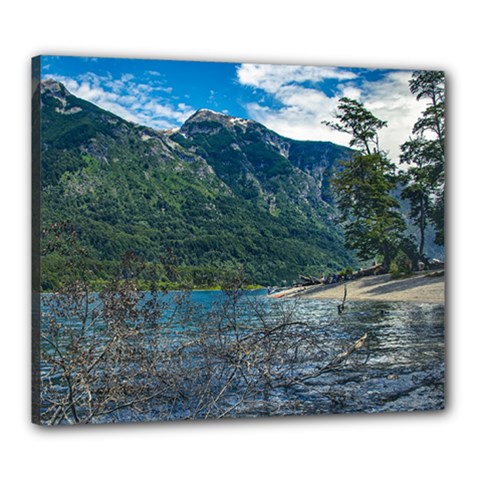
{"x": 35, "y": 235}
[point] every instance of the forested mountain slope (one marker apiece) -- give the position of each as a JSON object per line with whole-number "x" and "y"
{"x": 219, "y": 191}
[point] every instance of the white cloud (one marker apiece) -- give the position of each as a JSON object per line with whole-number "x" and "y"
{"x": 302, "y": 104}
{"x": 300, "y": 101}
{"x": 130, "y": 98}
{"x": 272, "y": 77}
{"x": 390, "y": 99}
{"x": 180, "y": 113}
{"x": 351, "y": 91}
{"x": 297, "y": 123}
{"x": 126, "y": 77}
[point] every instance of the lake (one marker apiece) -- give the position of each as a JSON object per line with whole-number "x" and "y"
{"x": 253, "y": 356}
{"x": 404, "y": 369}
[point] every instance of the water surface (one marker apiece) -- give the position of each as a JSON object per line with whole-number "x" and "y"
{"x": 400, "y": 367}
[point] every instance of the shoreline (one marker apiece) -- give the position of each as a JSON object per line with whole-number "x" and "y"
{"x": 420, "y": 288}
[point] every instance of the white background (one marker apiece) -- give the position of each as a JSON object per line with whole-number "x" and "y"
{"x": 405, "y": 34}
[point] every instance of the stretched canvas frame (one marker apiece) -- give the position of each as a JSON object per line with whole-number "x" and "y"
{"x": 215, "y": 240}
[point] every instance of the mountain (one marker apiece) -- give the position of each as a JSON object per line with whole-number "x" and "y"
{"x": 256, "y": 162}
{"x": 219, "y": 191}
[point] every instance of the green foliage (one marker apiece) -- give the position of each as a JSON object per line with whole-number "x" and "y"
{"x": 353, "y": 118}
{"x": 430, "y": 85}
{"x": 370, "y": 214}
{"x": 128, "y": 188}
{"x": 426, "y": 154}
{"x": 394, "y": 270}
{"x": 418, "y": 183}
{"x": 400, "y": 267}
{"x": 346, "y": 271}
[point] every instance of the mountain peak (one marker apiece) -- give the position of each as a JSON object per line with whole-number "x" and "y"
{"x": 204, "y": 118}
{"x": 205, "y": 114}
{"x": 208, "y": 111}
{"x": 49, "y": 85}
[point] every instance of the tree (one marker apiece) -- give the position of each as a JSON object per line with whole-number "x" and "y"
{"x": 429, "y": 131}
{"x": 431, "y": 86}
{"x": 369, "y": 213}
{"x": 127, "y": 354}
{"x": 417, "y": 181}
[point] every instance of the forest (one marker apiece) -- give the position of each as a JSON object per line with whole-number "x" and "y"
{"x": 224, "y": 195}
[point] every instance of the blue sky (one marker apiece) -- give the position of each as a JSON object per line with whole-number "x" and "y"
{"x": 291, "y": 100}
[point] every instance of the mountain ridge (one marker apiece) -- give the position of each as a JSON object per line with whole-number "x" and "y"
{"x": 219, "y": 191}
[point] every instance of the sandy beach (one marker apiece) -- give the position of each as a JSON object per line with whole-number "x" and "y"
{"x": 421, "y": 288}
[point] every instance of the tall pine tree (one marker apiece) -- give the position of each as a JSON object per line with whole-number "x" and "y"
{"x": 426, "y": 154}
{"x": 369, "y": 213}
{"x": 418, "y": 188}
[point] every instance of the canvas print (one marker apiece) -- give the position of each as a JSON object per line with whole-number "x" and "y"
{"x": 227, "y": 240}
